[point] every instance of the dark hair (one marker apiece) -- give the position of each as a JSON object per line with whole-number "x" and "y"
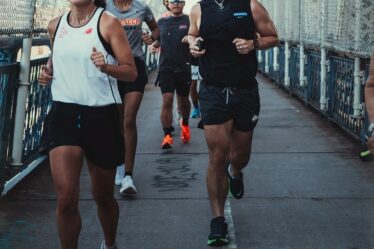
{"x": 100, "y": 3}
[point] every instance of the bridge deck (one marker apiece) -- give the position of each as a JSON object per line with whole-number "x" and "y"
{"x": 305, "y": 189}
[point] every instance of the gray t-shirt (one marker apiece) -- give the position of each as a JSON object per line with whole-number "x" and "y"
{"x": 132, "y": 21}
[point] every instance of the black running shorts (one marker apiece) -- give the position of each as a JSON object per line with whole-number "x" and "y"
{"x": 138, "y": 85}
{"x": 175, "y": 81}
{"x": 95, "y": 129}
{"x": 219, "y": 105}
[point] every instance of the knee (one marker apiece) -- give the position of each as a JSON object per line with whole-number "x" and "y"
{"x": 218, "y": 161}
{"x": 167, "y": 103}
{"x": 67, "y": 204}
{"x": 239, "y": 158}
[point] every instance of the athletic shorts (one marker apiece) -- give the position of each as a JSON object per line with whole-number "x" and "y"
{"x": 172, "y": 81}
{"x": 95, "y": 129}
{"x": 219, "y": 105}
{"x": 195, "y": 75}
{"x": 138, "y": 85}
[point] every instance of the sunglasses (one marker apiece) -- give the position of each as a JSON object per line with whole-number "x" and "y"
{"x": 176, "y": 2}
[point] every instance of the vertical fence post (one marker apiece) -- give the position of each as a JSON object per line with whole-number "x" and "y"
{"x": 276, "y": 49}
{"x": 358, "y": 74}
{"x": 267, "y": 62}
{"x": 302, "y": 77}
{"x": 22, "y": 94}
{"x": 287, "y": 80}
{"x": 275, "y": 59}
{"x": 324, "y": 62}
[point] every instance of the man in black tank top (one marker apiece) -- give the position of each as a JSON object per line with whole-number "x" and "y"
{"x": 174, "y": 70}
{"x": 230, "y": 32}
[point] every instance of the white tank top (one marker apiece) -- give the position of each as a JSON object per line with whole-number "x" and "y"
{"x": 76, "y": 78}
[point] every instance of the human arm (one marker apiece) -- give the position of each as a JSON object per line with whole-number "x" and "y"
{"x": 115, "y": 35}
{"x": 193, "y": 32}
{"x": 265, "y": 28}
{"x": 46, "y": 74}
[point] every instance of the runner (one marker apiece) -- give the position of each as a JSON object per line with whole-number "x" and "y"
{"x": 132, "y": 14}
{"x": 229, "y": 96}
{"x": 84, "y": 119}
{"x": 174, "y": 71}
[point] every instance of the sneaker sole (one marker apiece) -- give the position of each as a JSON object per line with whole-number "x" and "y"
{"x": 166, "y": 146}
{"x": 128, "y": 191}
{"x": 218, "y": 242}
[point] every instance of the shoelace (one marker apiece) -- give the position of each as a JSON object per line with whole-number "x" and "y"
{"x": 229, "y": 91}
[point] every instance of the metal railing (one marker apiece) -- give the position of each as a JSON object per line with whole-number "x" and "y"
{"x": 8, "y": 86}
{"x": 341, "y": 88}
{"x": 38, "y": 105}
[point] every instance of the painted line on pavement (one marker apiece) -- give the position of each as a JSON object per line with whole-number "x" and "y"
{"x": 230, "y": 225}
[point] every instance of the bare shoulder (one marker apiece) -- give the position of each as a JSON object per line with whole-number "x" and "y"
{"x": 258, "y": 8}
{"x": 108, "y": 19}
{"x": 52, "y": 25}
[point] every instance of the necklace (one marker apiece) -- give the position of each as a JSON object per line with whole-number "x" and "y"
{"x": 220, "y": 4}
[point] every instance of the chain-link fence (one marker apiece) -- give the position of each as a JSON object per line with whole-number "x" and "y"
{"x": 339, "y": 25}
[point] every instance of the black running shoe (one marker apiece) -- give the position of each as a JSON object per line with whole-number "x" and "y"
{"x": 218, "y": 232}
{"x": 236, "y": 186}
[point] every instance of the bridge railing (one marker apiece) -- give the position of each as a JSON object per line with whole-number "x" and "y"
{"x": 8, "y": 86}
{"x": 340, "y": 87}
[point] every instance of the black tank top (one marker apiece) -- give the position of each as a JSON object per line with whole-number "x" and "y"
{"x": 222, "y": 65}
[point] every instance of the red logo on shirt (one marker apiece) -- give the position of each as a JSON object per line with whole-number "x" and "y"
{"x": 130, "y": 22}
{"x": 88, "y": 31}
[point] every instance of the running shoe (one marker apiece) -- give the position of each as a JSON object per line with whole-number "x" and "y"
{"x": 104, "y": 247}
{"x": 218, "y": 232}
{"x": 128, "y": 187}
{"x": 120, "y": 172}
{"x": 167, "y": 142}
{"x": 195, "y": 112}
{"x": 185, "y": 134}
{"x": 236, "y": 186}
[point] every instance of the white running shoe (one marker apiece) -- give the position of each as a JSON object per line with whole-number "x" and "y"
{"x": 104, "y": 247}
{"x": 119, "y": 174}
{"x": 128, "y": 187}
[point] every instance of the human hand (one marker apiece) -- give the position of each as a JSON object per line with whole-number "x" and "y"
{"x": 98, "y": 59}
{"x": 147, "y": 39}
{"x": 243, "y": 46}
{"x": 45, "y": 76}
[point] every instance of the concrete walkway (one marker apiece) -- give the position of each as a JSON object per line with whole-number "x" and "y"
{"x": 305, "y": 189}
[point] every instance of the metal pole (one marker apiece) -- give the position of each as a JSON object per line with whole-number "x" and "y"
{"x": 267, "y": 67}
{"x": 23, "y": 91}
{"x": 275, "y": 61}
{"x": 287, "y": 81}
{"x": 323, "y": 86}
{"x": 302, "y": 66}
{"x": 357, "y": 101}
{"x": 358, "y": 74}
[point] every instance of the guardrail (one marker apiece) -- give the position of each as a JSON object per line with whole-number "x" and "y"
{"x": 8, "y": 86}
{"x": 341, "y": 86}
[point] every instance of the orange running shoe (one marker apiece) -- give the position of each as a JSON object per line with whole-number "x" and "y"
{"x": 186, "y": 134}
{"x": 167, "y": 142}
